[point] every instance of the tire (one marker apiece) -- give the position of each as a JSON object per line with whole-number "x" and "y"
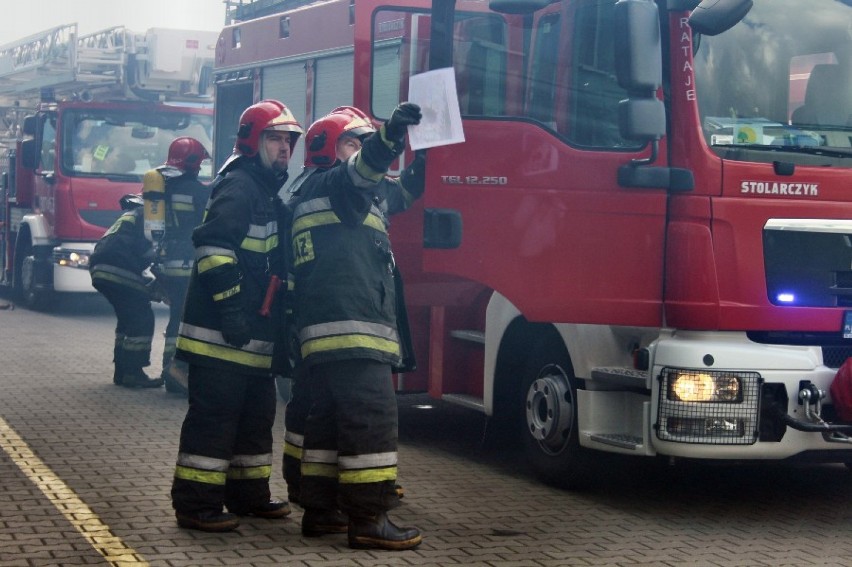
{"x": 26, "y": 280}
{"x": 549, "y": 422}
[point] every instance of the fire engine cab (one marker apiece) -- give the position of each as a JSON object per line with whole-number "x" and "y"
{"x": 644, "y": 245}
{"x": 85, "y": 117}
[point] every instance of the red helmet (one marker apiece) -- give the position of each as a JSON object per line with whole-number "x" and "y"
{"x": 186, "y": 154}
{"x": 265, "y": 115}
{"x": 322, "y": 136}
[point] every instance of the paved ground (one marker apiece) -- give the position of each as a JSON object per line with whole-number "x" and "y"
{"x": 85, "y": 469}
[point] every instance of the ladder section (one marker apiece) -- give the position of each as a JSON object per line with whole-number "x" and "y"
{"x": 114, "y": 63}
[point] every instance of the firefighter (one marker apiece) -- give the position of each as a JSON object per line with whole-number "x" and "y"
{"x": 184, "y": 197}
{"x": 331, "y": 140}
{"x": 117, "y": 267}
{"x": 225, "y": 455}
{"x": 346, "y": 322}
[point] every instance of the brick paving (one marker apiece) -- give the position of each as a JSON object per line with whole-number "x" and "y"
{"x": 115, "y": 449}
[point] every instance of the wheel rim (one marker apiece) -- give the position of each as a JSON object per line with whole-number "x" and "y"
{"x": 550, "y": 409}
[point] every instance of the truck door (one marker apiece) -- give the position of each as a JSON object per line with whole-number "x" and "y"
{"x": 529, "y": 205}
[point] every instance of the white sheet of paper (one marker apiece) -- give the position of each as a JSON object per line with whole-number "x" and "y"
{"x": 441, "y": 125}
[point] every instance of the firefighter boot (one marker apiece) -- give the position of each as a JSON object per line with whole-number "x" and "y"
{"x": 176, "y": 377}
{"x": 272, "y": 510}
{"x": 116, "y": 359}
{"x": 378, "y": 532}
{"x": 208, "y": 521}
{"x": 136, "y": 378}
{"x": 317, "y": 522}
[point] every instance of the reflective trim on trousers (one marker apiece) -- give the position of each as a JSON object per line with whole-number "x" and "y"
{"x": 204, "y": 477}
{"x": 251, "y": 460}
{"x": 369, "y": 461}
{"x": 202, "y": 462}
{"x": 367, "y": 476}
{"x": 319, "y": 469}
{"x": 250, "y": 473}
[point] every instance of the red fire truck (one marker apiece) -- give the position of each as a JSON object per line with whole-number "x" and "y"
{"x": 644, "y": 244}
{"x": 86, "y": 116}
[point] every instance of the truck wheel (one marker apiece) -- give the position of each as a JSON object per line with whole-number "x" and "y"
{"x": 26, "y": 281}
{"x": 550, "y": 435}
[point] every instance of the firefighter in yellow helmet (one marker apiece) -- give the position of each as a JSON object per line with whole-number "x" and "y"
{"x": 225, "y": 454}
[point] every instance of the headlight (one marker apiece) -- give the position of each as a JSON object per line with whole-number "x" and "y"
{"x": 697, "y": 386}
{"x": 708, "y": 406}
{"x": 71, "y": 258}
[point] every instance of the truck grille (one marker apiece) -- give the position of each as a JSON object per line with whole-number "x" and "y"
{"x": 835, "y": 356}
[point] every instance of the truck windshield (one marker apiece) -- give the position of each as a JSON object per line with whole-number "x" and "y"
{"x": 117, "y": 142}
{"x": 779, "y": 82}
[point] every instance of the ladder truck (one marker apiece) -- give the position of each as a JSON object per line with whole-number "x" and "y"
{"x": 83, "y": 118}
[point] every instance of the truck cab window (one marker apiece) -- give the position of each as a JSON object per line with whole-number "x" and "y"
{"x": 47, "y": 159}
{"x": 556, "y": 67}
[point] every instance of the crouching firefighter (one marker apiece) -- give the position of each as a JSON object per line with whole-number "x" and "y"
{"x": 117, "y": 267}
{"x": 225, "y": 455}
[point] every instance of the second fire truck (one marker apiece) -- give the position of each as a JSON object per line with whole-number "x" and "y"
{"x": 85, "y": 118}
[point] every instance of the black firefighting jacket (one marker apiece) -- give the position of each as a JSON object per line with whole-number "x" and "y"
{"x": 343, "y": 289}
{"x": 123, "y": 253}
{"x": 236, "y": 253}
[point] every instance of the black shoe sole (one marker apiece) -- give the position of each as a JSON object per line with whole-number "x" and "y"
{"x": 390, "y": 545}
{"x": 271, "y": 515}
{"x": 201, "y": 525}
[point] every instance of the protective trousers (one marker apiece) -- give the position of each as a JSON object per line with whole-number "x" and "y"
{"x": 350, "y": 451}
{"x": 134, "y": 328}
{"x": 175, "y": 288}
{"x": 225, "y": 454}
{"x": 295, "y": 419}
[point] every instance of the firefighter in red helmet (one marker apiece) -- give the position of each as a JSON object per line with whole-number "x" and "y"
{"x": 184, "y": 198}
{"x": 350, "y": 337}
{"x": 226, "y": 334}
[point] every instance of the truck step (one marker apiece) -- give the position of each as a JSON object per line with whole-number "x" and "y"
{"x": 622, "y": 440}
{"x": 621, "y": 376}
{"x": 470, "y": 402}
{"x": 477, "y": 337}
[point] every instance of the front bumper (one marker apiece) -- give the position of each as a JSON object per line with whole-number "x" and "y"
{"x": 71, "y": 267}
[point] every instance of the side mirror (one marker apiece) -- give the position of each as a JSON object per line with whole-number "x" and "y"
{"x": 30, "y": 125}
{"x": 713, "y": 17}
{"x": 639, "y": 59}
{"x": 29, "y": 153}
{"x": 642, "y": 119}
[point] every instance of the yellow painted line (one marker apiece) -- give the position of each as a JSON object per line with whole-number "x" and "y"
{"x": 98, "y": 534}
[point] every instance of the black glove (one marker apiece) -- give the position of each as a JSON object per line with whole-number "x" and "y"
{"x": 405, "y": 115}
{"x": 235, "y": 327}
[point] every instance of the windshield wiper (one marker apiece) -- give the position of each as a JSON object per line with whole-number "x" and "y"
{"x": 810, "y": 150}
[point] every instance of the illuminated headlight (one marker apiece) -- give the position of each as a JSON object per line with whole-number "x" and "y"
{"x": 706, "y": 406}
{"x": 71, "y": 258}
{"x": 694, "y": 386}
